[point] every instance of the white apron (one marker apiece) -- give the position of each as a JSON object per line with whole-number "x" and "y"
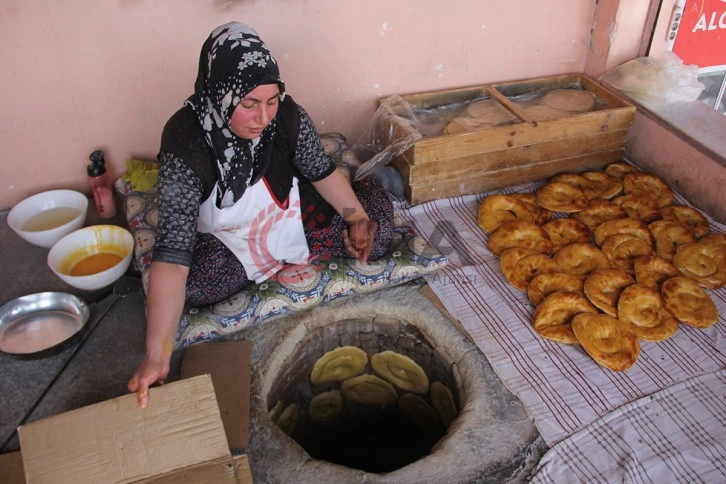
{"x": 261, "y": 233}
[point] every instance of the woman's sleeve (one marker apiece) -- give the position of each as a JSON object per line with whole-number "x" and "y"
{"x": 180, "y": 194}
{"x": 310, "y": 158}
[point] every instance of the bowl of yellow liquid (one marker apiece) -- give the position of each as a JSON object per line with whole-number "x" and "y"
{"x": 92, "y": 257}
{"x": 43, "y": 219}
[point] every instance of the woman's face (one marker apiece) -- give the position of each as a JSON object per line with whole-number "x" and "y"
{"x": 255, "y": 111}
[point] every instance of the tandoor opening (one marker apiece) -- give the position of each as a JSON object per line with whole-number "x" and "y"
{"x": 369, "y": 395}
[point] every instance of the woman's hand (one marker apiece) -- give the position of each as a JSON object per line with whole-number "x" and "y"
{"x": 153, "y": 369}
{"x": 358, "y": 239}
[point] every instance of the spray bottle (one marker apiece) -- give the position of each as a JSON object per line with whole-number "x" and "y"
{"x": 100, "y": 184}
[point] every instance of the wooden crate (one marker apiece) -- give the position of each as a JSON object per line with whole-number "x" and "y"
{"x": 442, "y": 166}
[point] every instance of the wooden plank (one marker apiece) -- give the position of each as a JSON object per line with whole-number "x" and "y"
{"x": 491, "y": 180}
{"x": 524, "y": 157}
{"x": 433, "y": 150}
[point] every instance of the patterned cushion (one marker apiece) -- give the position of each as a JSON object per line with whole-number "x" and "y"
{"x": 297, "y": 287}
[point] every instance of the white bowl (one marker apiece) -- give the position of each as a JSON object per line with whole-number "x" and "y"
{"x": 92, "y": 257}
{"x": 43, "y": 219}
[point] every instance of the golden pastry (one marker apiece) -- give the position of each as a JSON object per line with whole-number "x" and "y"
{"x": 652, "y": 270}
{"x": 542, "y": 285}
{"x": 541, "y": 215}
{"x": 603, "y": 288}
{"x": 495, "y": 210}
{"x": 639, "y": 207}
{"x": 690, "y": 218}
{"x": 566, "y": 231}
{"x": 520, "y": 266}
{"x": 553, "y": 316}
{"x": 580, "y": 259}
{"x": 626, "y": 225}
{"x": 606, "y": 340}
{"x": 649, "y": 186}
{"x": 602, "y": 185}
{"x": 668, "y": 236}
{"x": 619, "y": 169}
{"x": 599, "y": 211}
{"x": 519, "y": 234}
{"x": 690, "y": 304}
{"x": 703, "y": 262}
{"x": 622, "y": 250}
{"x": 562, "y": 197}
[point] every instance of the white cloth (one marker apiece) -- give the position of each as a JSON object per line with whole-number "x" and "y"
{"x": 675, "y": 435}
{"x": 263, "y": 233}
{"x": 563, "y": 388}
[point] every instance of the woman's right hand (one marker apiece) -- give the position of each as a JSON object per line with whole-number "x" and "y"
{"x": 151, "y": 370}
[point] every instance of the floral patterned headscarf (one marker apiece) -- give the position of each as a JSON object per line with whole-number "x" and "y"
{"x": 233, "y": 62}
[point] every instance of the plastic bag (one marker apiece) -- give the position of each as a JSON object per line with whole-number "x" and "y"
{"x": 660, "y": 80}
{"x": 392, "y": 130}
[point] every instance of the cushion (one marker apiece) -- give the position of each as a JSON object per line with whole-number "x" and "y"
{"x": 297, "y": 287}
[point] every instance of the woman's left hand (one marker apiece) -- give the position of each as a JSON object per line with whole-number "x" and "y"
{"x": 358, "y": 239}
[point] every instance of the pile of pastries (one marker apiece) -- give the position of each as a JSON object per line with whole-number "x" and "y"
{"x": 607, "y": 259}
{"x": 341, "y": 377}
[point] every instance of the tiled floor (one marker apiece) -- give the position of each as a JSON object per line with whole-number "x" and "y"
{"x": 94, "y": 369}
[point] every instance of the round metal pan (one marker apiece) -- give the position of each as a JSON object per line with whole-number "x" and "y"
{"x": 42, "y": 324}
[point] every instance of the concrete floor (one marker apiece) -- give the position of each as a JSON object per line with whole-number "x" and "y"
{"x": 95, "y": 368}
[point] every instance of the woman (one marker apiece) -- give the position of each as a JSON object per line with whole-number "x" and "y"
{"x": 244, "y": 188}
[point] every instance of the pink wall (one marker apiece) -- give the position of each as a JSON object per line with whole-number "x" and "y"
{"x": 78, "y": 75}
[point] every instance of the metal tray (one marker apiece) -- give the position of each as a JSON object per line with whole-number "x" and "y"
{"x": 42, "y": 324}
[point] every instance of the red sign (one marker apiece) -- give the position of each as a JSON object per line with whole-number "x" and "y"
{"x": 701, "y": 37}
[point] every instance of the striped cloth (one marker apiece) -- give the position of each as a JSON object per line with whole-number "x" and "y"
{"x": 675, "y": 435}
{"x": 562, "y": 387}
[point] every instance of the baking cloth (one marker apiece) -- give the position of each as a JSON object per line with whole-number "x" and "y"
{"x": 675, "y": 435}
{"x": 563, "y": 388}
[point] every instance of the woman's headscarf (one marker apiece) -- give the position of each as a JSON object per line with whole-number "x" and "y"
{"x": 233, "y": 62}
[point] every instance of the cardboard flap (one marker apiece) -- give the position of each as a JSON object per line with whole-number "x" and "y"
{"x": 11, "y": 468}
{"x": 117, "y": 441}
{"x": 229, "y": 365}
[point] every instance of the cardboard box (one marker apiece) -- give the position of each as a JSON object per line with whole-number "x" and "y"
{"x": 448, "y": 165}
{"x": 183, "y": 435}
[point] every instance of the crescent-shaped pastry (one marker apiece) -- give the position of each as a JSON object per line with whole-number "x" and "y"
{"x": 561, "y": 197}
{"x": 626, "y": 225}
{"x": 519, "y": 234}
{"x": 652, "y": 270}
{"x": 689, "y": 217}
{"x": 639, "y": 207}
{"x": 566, "y": 231}
{"x": 668, "y": 236}
{"x": 520, "y": 266}
{"x": 580, "y": 259}
{"x": 606, "y": 340}
{"x": 599, "y": 211}
{"x": 690, "y": 304}
{"x": 649, "y": 186}
{"x": 704, "y": 263}
{"x": 496, "y": 210}
{"x": 542, "y": 285}
{"x": 602, "y": 185}
{"x": 603, "y": 288}
{"x": 553, "y": 316}
{"x": 622, "y": 250}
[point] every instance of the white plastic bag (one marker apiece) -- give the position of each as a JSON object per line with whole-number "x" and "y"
{"x": 661, "y": 80}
